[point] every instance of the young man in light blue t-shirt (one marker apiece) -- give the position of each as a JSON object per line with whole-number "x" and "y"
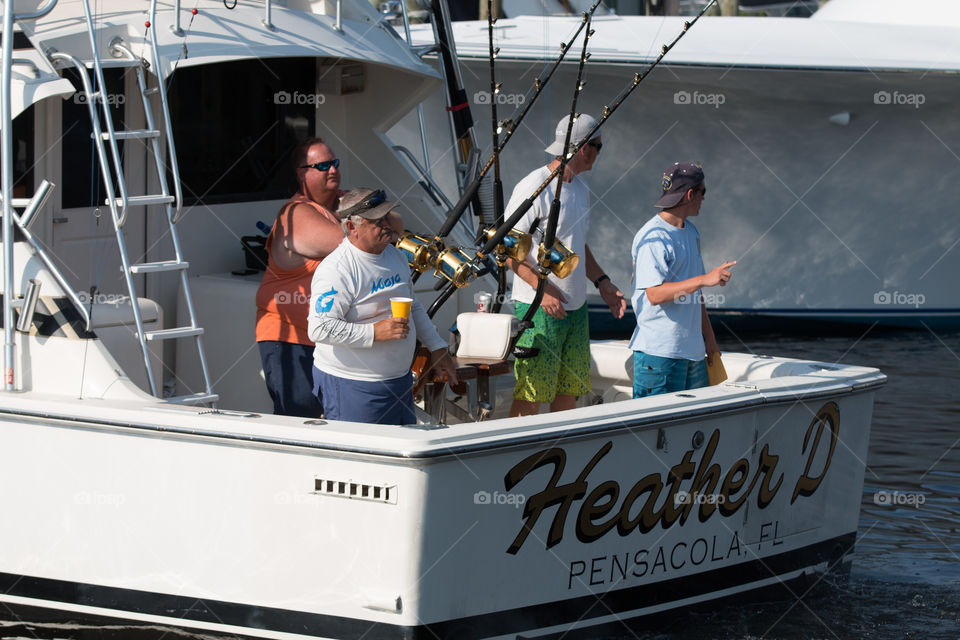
{"x": 673, "y": 332}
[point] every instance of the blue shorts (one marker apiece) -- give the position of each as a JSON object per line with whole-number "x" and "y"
{"x": 378, "y": 401}
{"x": 653, "y": 375}
{"x": 287, "y": 369}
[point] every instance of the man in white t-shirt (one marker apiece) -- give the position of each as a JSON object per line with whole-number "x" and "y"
{"x": 673, "y": 334}
{"x": 560, "y": 372}
{"x": 361, "y": 362}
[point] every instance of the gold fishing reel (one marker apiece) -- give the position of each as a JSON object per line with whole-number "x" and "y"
{"x": 559, "y": 259}
{"x": 422, "y": 253}
{"x": 515, "y": 244}
{"x": 456, "y": 266}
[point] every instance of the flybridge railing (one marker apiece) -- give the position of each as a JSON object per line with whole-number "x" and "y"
{"x": 267, "y": 16}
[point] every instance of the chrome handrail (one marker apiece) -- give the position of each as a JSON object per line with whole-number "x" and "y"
{"x": 39, "y": 13}
{"x": 23, "y": 221}
{"x": 165, "y": 110}
{"x": 6, "y": 181}
{"x": 6, "y": 188}
{"x": 175, "y": 27}
{"x": 100, "y": 85}
{"x": 431, "y": 187}
{"x": 267, "y": 22}
{"x": 423, "y": 129}
{"x": 437, "y": 193}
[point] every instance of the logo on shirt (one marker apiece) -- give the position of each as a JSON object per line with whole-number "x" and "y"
{"x": 385, "y": 283}
{"x": 325, "y": 301}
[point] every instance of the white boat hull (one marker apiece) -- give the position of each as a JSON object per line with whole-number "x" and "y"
{"x": 276, "y": 528}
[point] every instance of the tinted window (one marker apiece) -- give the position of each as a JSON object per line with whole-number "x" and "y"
{"x": 23, "y": 156}
{"x": 234, "y": 130}
{"x": 82, "y": 184}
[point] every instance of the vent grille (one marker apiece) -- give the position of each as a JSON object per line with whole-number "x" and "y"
{"x": 356, "y": 490}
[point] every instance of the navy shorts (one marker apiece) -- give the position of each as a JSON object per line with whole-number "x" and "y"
{"x": 288, "y": 370}
{"x": 374, "y": 401}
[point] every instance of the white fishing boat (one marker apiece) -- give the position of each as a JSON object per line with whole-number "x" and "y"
{"x": 127, "y": 504}
{"x": 822, "y": 141}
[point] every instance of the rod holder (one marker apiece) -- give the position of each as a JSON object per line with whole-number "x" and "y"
{"x": 28, "y": 306}
{"x": 36, "y": 202}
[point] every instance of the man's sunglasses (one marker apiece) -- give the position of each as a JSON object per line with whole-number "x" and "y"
{"x": 375, "y": 199}
{"x": 596, "y": 145}
{"x": 322, "y": 166}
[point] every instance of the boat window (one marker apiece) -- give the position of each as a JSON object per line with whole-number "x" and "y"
{"x": 235, "y": 125}
{"x": 23, "y": 154}
{"x": 82, "y": 184}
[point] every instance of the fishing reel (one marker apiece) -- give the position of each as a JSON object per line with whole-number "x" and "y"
{"x": 515, "y": 244}
{"x": 456, "y": 266}
{"x": 559, "y": 260}
{"x": 422, "y": 253}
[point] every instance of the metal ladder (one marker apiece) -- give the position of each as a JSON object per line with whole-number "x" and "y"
{"x": 120, "y": 203}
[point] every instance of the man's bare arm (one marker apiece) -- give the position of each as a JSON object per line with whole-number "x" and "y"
{"x": 608, "y": 291}
{"x": 670, "y": 291}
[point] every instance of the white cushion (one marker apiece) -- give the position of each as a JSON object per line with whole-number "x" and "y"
{"x": 485, "y": 335}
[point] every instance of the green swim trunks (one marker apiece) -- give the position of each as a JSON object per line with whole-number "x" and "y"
{"x": 563, "y": 365}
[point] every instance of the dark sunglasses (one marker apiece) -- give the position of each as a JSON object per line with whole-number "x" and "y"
{"x": 323, "y": 166}
{"x": 596, "y": 145}
{"x": 373, "y": 200}
{"x": 702, "y": 191}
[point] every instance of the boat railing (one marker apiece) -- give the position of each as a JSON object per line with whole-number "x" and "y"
{"x": 38, "y": 13}
{"x": 430, "y": 186}
{"x": 6, "y": 180}
{"x": 173, "y": 165}
{"x": 267, "y": 21}
{"x": 423, "y": 128}
{"x": 23, "y": 221}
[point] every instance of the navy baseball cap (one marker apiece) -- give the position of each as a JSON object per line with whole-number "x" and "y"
{"x": 677, "y": 179}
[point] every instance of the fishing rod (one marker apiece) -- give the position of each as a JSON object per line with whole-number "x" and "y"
{"x": 497, "y": 237}
{"x": 554, "y": 255}
{"x": 549, "y": 236}
{"x": 509, "y": 126}
{"x": 429, "y": 248}
{"x": 497, "y": 182}
{"x": 454, "y": 264}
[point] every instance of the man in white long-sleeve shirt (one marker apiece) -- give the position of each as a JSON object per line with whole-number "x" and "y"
{"x": 361, "y": 362}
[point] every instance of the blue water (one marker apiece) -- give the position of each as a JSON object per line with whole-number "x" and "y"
{"x": 905, "y": 579}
